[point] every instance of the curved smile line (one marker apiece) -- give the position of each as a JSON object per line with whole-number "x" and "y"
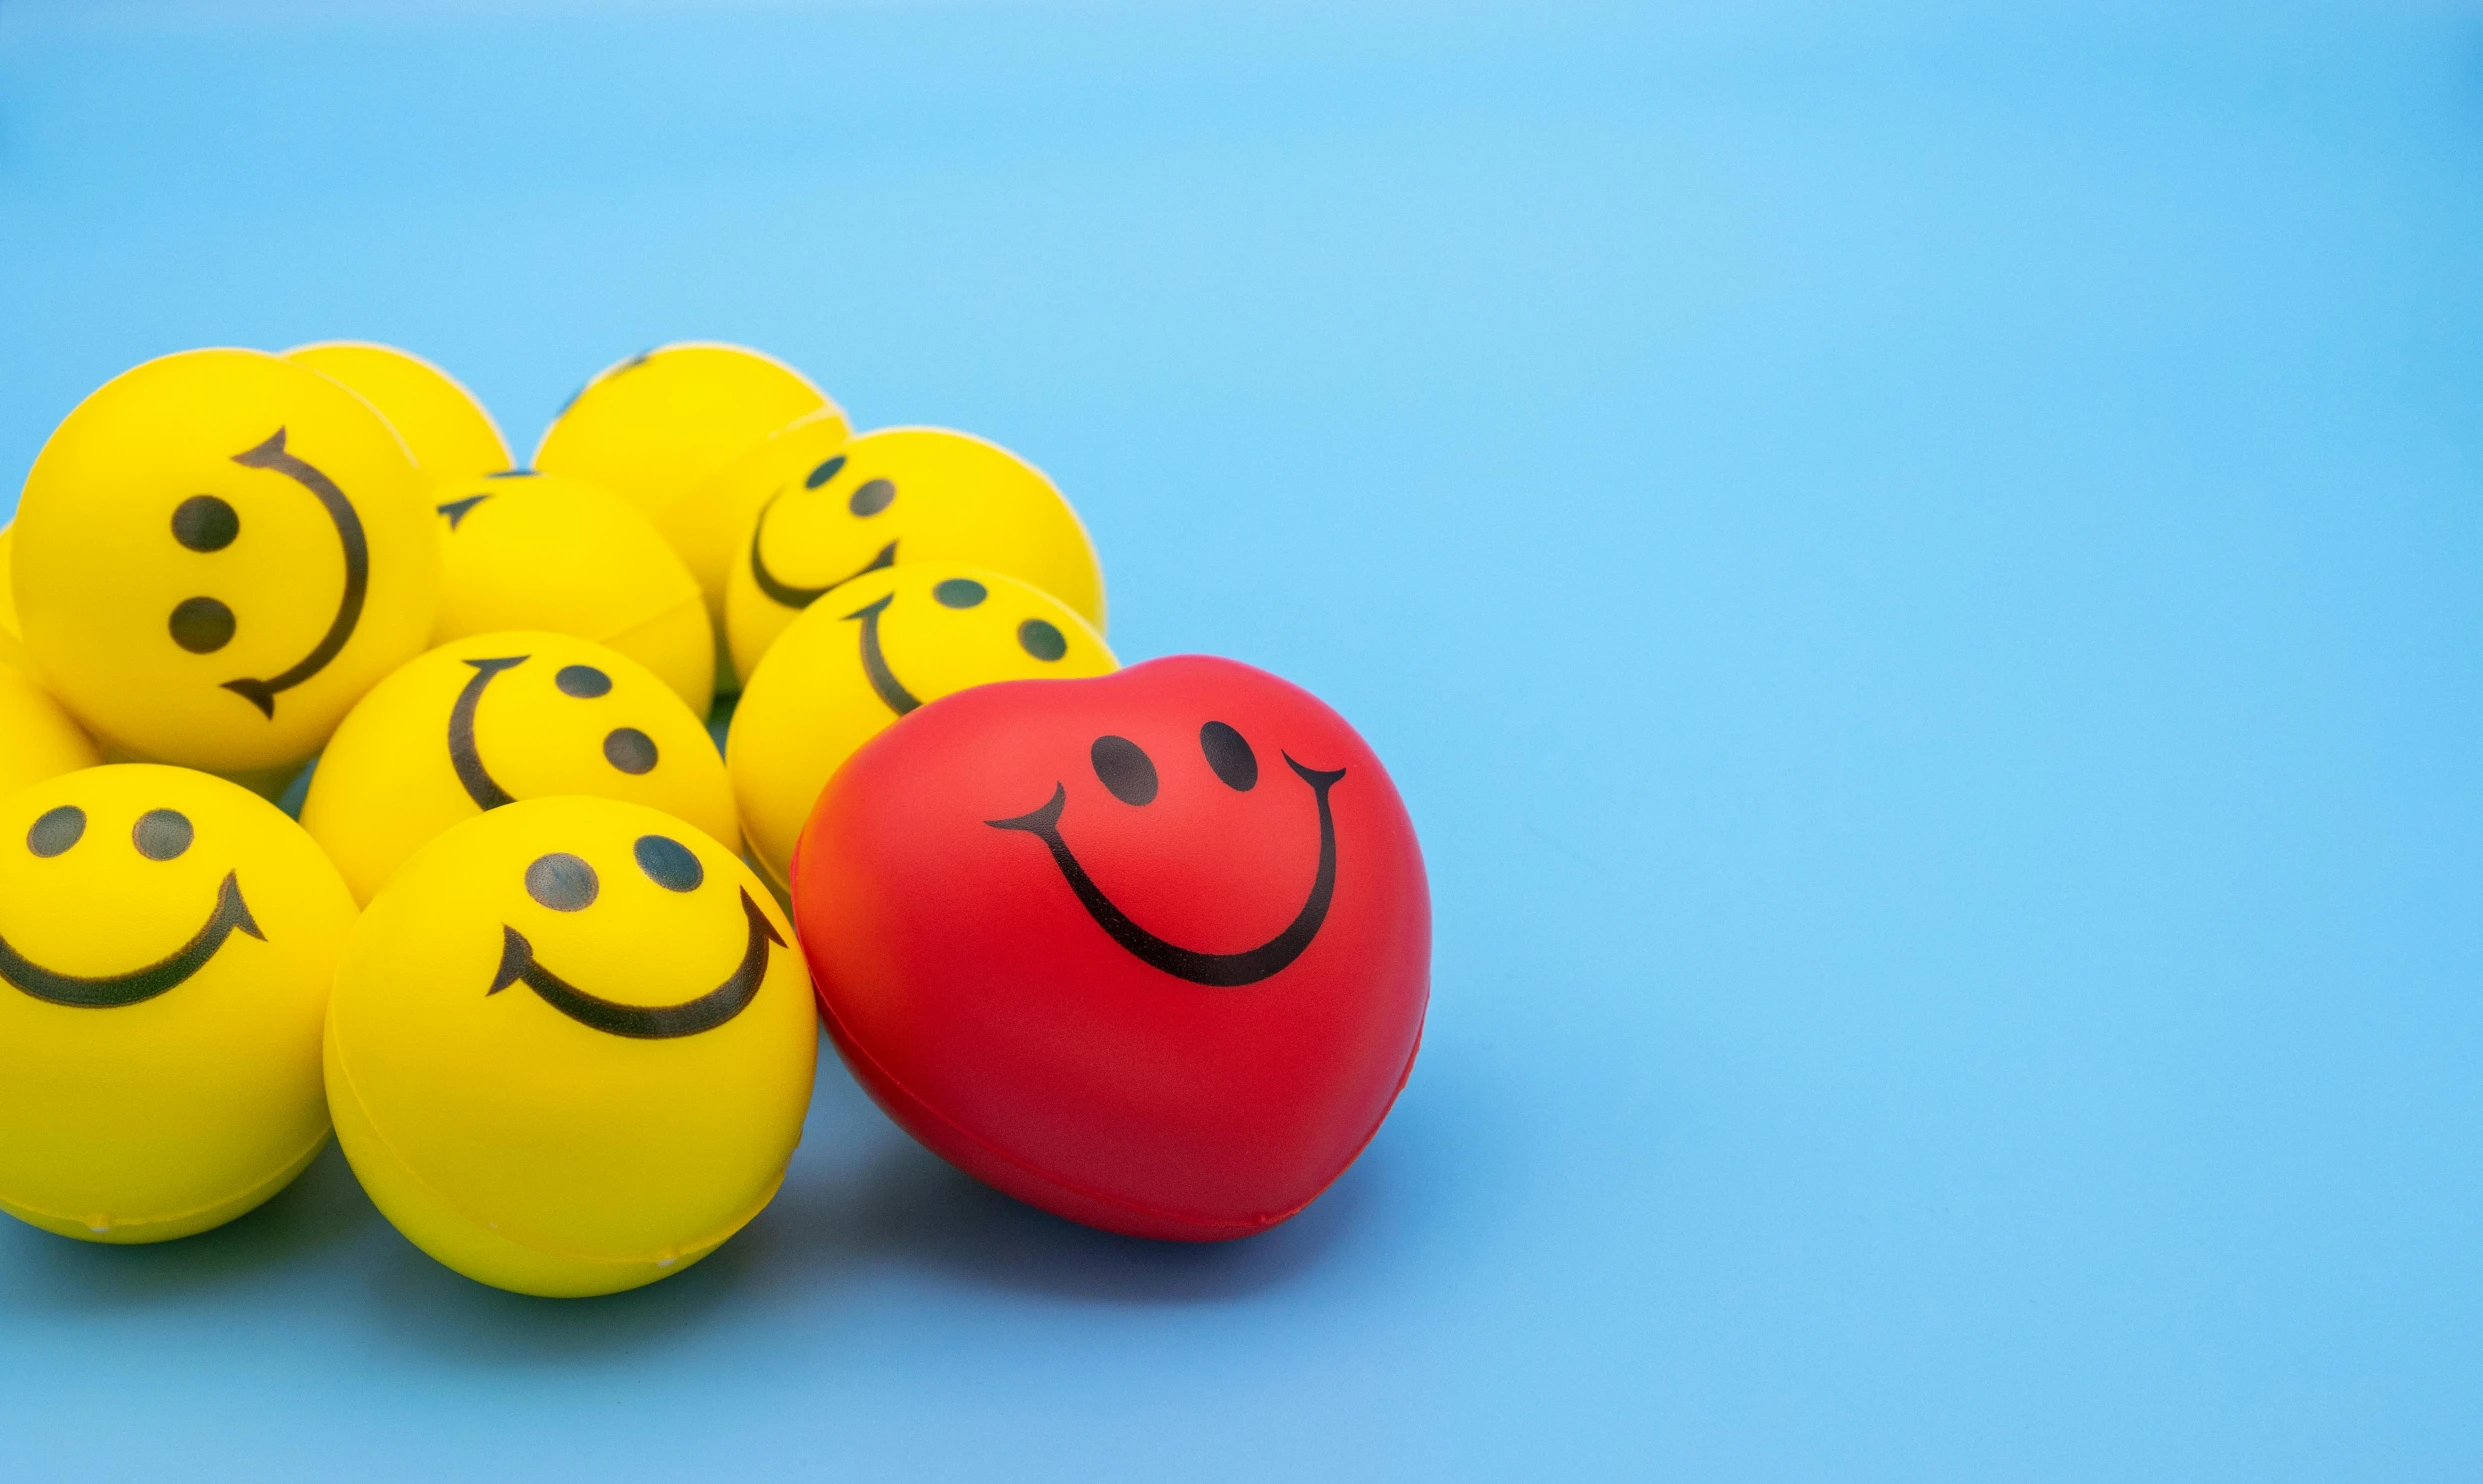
{"x": 272, "y": 455}
{"x": 1223, "y": 970}
{"x": 480, "y": 786}
{"x": 110, "y": 991}
{"x": 642, "y": 1022}
{"x": 875, "y": 663}
{"x": 802, "y": 597}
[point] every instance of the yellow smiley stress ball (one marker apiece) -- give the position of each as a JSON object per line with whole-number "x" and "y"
{"x": 570, "y": 1047}
{"x": 492, "y": 718}
{"x": 166, "y": 944}
{"x": 540, "y": 551}
{"x": 894, "y": 496}
{"x": 651, "y": 428}
{"x": 879, "y": 647}
{"x": 216, "y": 554}
{"x": 38, "y": 739}
{"x": 444, "y": 426}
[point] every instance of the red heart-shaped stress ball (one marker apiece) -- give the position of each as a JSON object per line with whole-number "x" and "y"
{"x": 1150, "y": 951}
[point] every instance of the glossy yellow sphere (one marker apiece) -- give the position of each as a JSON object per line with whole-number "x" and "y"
{"x": 445, "y": 427}
{"x": 166, "y": 944}
{"x": 216, "y": 554}
{"x": 884, "y": 644}
{"x": 890, "y": 497}
{"x": 12, "y": 638}
{"x": 543, "y": 551}
{"x": 491, "y": 718}
{"x": 571, "y": 1047}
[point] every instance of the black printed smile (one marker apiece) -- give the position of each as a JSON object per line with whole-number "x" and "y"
{"x": 875, "y": 662}
{"x": 626, "y": 748}
{"x": 271, "y": 455}
{"x": 643, "y": 1022}
{"x": 110, "y": 991}
{"x": 802, "y": 597}
{"x": 1223, "y": 970}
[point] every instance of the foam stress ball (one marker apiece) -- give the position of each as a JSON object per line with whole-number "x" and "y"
{"x": 166, "y": 943}
{"x": 216, "y": 554}
{"x": 1150, "y": 951}
{"x": 38, "y": 739}
{"x": 12, "y": 638}
{"x": 570, "y": 1050}
{"x": 490, "y": 719}
{"x": 652, "y": 428}
{"x": 892, "y": 496}
{"x": 542, "y": 551}
{"x": 711, "y": 526}
{"x": 445, "y": 428}
{"x": 850, "y": 667}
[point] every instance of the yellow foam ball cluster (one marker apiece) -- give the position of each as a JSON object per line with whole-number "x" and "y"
{"x": 523, "y": 948}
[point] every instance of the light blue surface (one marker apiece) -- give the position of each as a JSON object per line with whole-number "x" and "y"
{"x": 1917, "y": 568}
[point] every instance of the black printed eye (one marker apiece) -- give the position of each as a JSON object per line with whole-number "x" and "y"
{"x": 960, "y": 592}
{"x": 56, "y": 830}
{"x": 1041, "y": 640}
{"x": 825, "y": 472}
{"x": 562, "y": 882}
{"x": 161, "y": 834}
{"x": 1228, "y": 752}
{"x": 872, "y": 497}
{"x": 1124, "y": 768}
{"x": 202, "y": 625}
{"x": 668, "y": 863}
{"x": 205, "y": 523}
{"x": 583, "y": 681}
{"x": 630, "y": 750}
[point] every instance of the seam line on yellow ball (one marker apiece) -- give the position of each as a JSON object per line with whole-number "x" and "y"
{"x": 271, "y": 456}
{"x": 111, "y": 991}
{"x": 643, "y": 1022}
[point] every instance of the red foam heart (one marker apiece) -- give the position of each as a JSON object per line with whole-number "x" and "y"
{"x": 1150, "y": 951}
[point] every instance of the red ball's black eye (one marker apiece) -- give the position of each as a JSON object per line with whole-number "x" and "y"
{"x": 1125, "y": 769}
{"x": 1228, "y": 752}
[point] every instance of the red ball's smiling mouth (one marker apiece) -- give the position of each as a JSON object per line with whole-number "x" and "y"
{"x": 1223, "y": 970}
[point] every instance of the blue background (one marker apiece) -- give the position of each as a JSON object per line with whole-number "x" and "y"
{"x": 1917, "y": 566}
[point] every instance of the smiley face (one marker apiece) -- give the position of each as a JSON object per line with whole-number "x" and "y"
{"x": 216, "y": 554}
{"x": 888, "y": 643}
{"x": 1218, "y": 887}
{"x": 166, "y": 940}
{"x": 487, "y": 720}
{"x": 894, "y": 496}
{"x": 570, "y": 1048}
{"x": 1129, "y": 775}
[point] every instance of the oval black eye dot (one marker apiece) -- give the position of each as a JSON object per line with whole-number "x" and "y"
{"x": 56, "y": 831}
{"x": 561, "y": 882}
{"x": 202, "y": 625}
{"x": 825, "y": 472}
{"x": 668, "y": 863}
{"x": 1228, "y": 752}
{"x": 1125, "y": 769}
{"x": 872, "y": 497}
{"x": 1041, "y": 640}
{"x": 161, "y": 834}
{"x": 630, "y": 750}
{"x": 960, "y": 592}
{"x": 205, "y": 523}
{"x": 583, "y": 681}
